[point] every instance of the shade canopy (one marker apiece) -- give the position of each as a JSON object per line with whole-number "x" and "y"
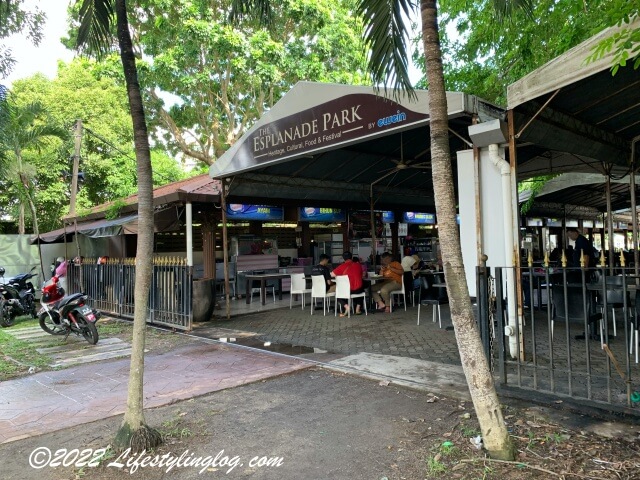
{"x": 328, "y": 144}
{"x": 166, "y": 220}
{"x": 574, "y": 115}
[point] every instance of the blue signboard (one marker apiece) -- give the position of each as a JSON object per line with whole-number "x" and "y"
{"x": 236, "y": 211}
{"x": 554, "y": 222}
{"x": 388, "y": 217}
{"x": 419, "y": 218}
{"x": 312, "y": 214}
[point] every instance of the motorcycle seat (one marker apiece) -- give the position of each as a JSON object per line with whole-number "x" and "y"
{"x": 69, "y": 298}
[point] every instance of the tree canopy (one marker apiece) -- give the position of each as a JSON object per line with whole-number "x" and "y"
{"x": 80, "y": 91}
{"x": 483, "y": 56}
{"x": 207, "y": 89}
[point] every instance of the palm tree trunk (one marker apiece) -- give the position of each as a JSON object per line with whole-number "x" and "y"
{"x": 474, "y": 363}
{"x": 134, "y": 431}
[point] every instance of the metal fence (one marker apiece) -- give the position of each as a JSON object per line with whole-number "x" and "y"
{"x": 110, "y": 288}
{"x": 574, "y": 333}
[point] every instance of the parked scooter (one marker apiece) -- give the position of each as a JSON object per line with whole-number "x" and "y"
{"x": 65, "y": 314}
{"x": 17, "y": 297}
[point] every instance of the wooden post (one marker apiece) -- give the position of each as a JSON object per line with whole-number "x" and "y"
{"x": 225, "y": 247}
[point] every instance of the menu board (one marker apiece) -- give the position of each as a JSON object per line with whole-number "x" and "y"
{"x": 571, "y": 223}
{"x": 554, "y": 222}
{"x": 388, "y": 217}
{"x": 236, "y": 211}
{"x": 419, "y": 218}
{"x": 312, "y": 214}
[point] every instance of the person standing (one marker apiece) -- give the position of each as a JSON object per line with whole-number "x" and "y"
{"x": 582, "y": 247}
{"x": 61, "y": 272}
{"x": 392, "y": 272}
{"x": 354, "y": 272}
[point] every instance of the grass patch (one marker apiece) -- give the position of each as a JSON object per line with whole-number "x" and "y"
{"x": 25, "y": 322}
{"x": 114, "y": 327}
{"x": 17, "y": 356}
{"x": 172, "y": 429}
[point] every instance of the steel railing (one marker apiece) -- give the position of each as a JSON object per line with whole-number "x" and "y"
{"x": 110, "y": 287}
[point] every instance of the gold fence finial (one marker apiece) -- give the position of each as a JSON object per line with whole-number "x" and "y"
{"x": 622, "y": 260}
{"x": 530, "y": 259}
{"x": 583, "y": 259}
{"x": 546, "y": 258}
{"x": 603, "y": 260}
{"x": 563, "y": 260}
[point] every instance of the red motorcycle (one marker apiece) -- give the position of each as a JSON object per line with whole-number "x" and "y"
{"x": 65, "y": 314}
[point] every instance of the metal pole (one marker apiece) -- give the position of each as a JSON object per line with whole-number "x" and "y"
{"x": 225, "y": 248}
{"x": 374, "y": 249}
{"x": 609, "y": 224}
{"x": 634, "y": 213}
{"x": 478, "y": 203}
{"x": 513, "y": 163}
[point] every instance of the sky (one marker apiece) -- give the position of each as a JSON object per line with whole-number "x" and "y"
{"x": 43, "y": 58}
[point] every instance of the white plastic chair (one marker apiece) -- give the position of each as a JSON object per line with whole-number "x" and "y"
{"x": 298, "y": 287}
{"x": 319, "y": 290}
{"x": 402, "y": 292}
{"x": 343, "y": 290}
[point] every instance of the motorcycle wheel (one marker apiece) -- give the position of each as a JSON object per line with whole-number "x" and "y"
{"x": 48, "y": 325}
{"x": 89, "y": 330}
{"x": 33, "y": 310}
{"x": 6, "y": 320}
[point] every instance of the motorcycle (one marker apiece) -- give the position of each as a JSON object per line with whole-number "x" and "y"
{"x": 17, "y": 297}
{"x": 65, "y": 314}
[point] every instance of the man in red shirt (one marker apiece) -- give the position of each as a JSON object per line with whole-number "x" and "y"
{"x": 354, "y": 272}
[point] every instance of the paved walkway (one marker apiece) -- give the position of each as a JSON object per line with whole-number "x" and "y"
{"x": 388, "y": 334}
{"x": 49, "y": 401}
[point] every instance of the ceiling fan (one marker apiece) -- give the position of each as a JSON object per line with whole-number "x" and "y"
{"x": 403, "y": 164}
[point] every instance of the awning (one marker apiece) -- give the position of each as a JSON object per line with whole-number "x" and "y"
{"x": 569, "y": 105}
{"x": 164, "y": 221}
{"x": 331, "y": 145}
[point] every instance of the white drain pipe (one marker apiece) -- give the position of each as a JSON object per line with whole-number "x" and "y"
{"x": 509, "y": 247}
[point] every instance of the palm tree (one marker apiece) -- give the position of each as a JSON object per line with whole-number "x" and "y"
{"x": 24, "y": 127}
{"x": 386, "y": 35}
{"x": 96, "y": 35}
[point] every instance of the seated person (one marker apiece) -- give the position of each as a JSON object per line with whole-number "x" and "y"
{"x": 362, "y": 265}
{"x": 392, "y": 271}
{"x": 354, "y": 272}
{"x": 412, "y": 264}
{"x": 323, "y": 269}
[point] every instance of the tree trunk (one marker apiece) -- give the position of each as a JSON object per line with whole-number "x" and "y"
{"x": 21, "y": 227}
{"x": 474, "y": 363}
{"x": 133, "y": 431}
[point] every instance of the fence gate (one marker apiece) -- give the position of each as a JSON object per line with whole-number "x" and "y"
{"x": 600, "y": 368}
{"x": 110, "y": 288}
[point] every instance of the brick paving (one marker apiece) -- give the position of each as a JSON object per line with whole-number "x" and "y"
{"x": 384, "y": 333}
{"x": 49, "y": 401}
{"x": 397, "y": 334}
